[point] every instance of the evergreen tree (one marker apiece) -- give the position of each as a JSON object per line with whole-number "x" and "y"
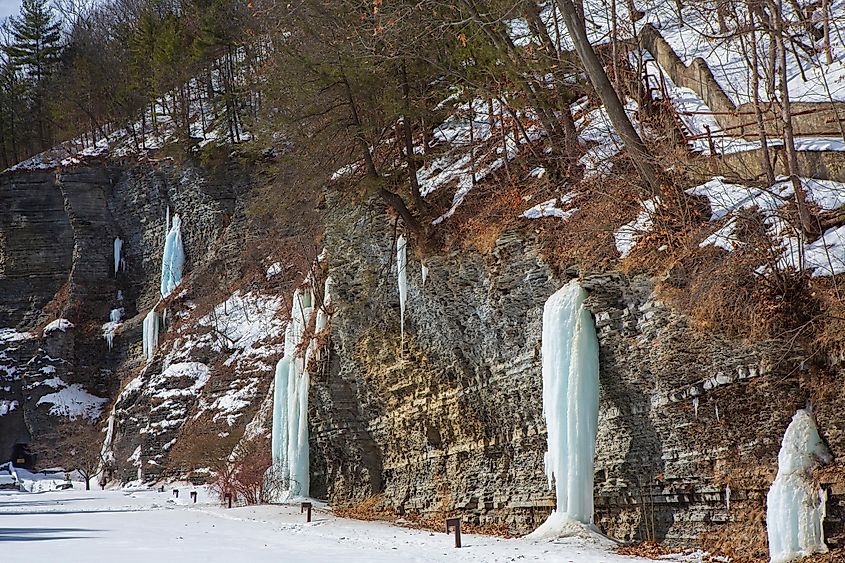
{"x": 35, "y": 49}
{"x": 36, "y": 35}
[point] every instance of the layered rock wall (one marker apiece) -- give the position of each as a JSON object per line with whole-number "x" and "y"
{"x": 450, "y": 420}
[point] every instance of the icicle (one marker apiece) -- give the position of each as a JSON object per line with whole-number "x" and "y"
{"x": 322, "y": 315}
{"x": 118, "y": 246}
{"x": 290, "y": 448}
{"x": 402, "y": 276}
{"x": 570, "y": 353}
{"x": 728, "y": 498}
{"x": 111, "y": 327}
{"x": 424, "y": 269}
{"x": 119, "y": 295}
{"x": 298, "y": 450}
{"x": 794, "y": 513}
{"x": 280, "y": 395}
{"x": 173, "y": 258}
{"x": 717, "y": 412}
{"x": 822, "y": 511}
{"x": 167, "y": 222}
{"x": 695, "y": 406}
{"x": 150, "y": 334}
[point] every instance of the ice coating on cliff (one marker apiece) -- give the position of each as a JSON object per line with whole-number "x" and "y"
{"x": 795, "y": 507}
{"x": 173, "y": 258}
{"x": 570, "y": 355}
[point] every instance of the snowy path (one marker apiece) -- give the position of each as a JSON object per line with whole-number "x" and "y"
{"x": 145, "y": 526}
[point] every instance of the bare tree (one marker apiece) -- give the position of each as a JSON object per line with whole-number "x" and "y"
{"x": 75, "y": 445}
{"x": 642, "y": 158}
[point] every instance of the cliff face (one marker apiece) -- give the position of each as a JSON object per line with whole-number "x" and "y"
{"x": 57, "y": 261}
{"x": 446, "y": 418}
{"x": 450, "y": 418}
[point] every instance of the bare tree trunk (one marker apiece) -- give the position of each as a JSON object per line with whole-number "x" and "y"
{"x": 637, "y": 150}
{"x": 393, "y": 200}
{"x": 410, "y": 157}
{"x": 503, "y": 42}
{"x": 570, "y": 136}
{"x": 765, "y": 158}
{"x": 826, "y": 31}
{"x": 776, "y": 23}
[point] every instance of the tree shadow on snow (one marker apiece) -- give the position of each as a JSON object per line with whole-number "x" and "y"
{"x": 42, "y": 534}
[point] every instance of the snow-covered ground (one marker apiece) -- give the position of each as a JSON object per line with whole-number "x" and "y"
{"x": 143, "y": 526}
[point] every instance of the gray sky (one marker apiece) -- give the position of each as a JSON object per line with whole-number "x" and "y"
{"x": 9, "y": 7}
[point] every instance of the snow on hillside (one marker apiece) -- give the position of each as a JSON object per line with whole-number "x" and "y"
{"x": 7, "y": 406}
{"x": 73, "y": 401}
{"x": 822, "y": 257}
{"x": 550, "y": 209}
{"x": 472, "y": 151}
{"x": 139, "y": 526}
{"x": 58, "y": 325}
{"x": 471, "y": 124}
{"x": 156, "y": 129}
{"x": 707, "y": 136}
{"x": 235, "y": 344}
{"x": 626, "y": 236}
{"x": 698, "y": 34}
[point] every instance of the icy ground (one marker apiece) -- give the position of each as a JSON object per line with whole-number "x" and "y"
{"x": 144, "y": 525}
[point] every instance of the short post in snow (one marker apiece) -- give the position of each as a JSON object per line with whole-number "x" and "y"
{"x": 303, "y": 507}
{"x": 194, "y": 496}
{"x": 176, "y": 493}
{"x": 456, "y": 524}
{"x": 229, "y": 499}
{"x": 161, "y": 489}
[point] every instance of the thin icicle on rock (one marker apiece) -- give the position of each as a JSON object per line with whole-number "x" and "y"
{"x": 322, "y": 313}
{"x": 728, "y": 498}
{"x": 173, "y": 258}
{"x": 118, "y": 248}
{"x": 289, "y": 475}
{"x": 150, "y": 334}
{"x": 795, "y": 510}
{"x": 110, "y": 327}
{"x": 570, "y": 352}
{"x": 402, "y": 277}
{"x": 424, "y": 272}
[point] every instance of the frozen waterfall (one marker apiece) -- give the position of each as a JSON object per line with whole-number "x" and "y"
{"x": 110, "y": 327}
{"x": 118, "y": 247}
{"x": 570, "y": 353}
{"x": 290, "y": 451}
{"x": 173, "y": 258}
{"x": 150, "y": 334}
{"x": 402, "y": 276}
{"x": 795, "y": 507}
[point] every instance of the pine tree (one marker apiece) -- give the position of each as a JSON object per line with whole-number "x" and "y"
{"x": 35, "y": 50}
{"x": 36, "y": 36}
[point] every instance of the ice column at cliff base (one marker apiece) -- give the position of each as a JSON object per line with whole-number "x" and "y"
{"x": 289, "y": 475}
{"x": 570, "y": 355}
{"x": 795, "y": 507}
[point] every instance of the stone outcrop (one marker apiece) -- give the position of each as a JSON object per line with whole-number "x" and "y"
{"x": 445, "y": 419}
{"x": 450, "y": 420}
{"x": 57, "y": 260}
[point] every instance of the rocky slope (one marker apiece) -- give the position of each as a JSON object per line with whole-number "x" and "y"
{"x": 445, "y": 419}
{"x": 450, "y": 420}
